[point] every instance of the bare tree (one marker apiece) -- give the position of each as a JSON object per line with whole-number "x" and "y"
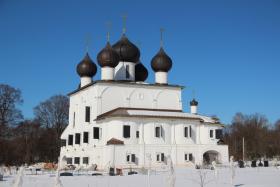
{"x": 9, "y": 99}
{"x": 53, "y": 115}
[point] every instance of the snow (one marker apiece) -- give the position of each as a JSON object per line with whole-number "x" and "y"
{"x": 245, "y": 177}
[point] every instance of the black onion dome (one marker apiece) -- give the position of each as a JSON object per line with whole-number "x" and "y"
{"x": 161, "y": 62}
{"x": 193, "y": 103}
{"x": 86, "y": 68}
{"x": 126, "y": 50}
{"x": 141, "y": 72}
{"x": 108, "y": 57}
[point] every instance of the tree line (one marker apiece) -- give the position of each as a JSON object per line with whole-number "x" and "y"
{"x": 38, "y": 139}
{"x": 261, "y": 138}
{"x": 29, "y": 141}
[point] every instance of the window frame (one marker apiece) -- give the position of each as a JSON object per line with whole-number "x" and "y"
{"x": 86, "y": 158}
{"x": 68, "y": 159}
{"x": 87, "y": 114}
{"x": 87, "y": 139}
{"x": 126, "y": 131}
{"x": 78, "y": 159}
{"x": 211, "y": 133}
{"x": 77, "y": 140}
{"x": 72, "y": 139}
{"x": 186, "y": 132}
{"x": 96, "y": 130}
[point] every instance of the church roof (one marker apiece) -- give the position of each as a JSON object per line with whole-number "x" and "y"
{"x": 122, "y": 82}
{"x": 156, "y": 113}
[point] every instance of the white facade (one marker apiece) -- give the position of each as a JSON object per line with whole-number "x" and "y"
{"x": 151, "y": 116}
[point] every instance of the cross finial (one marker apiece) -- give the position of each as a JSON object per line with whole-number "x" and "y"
{"x": 161, "y": 37}
{"x": 109, "y": 25}
{"x": 193, "y": 93}
{"x": 124, "y": 17}
{"x": 87, "y": 42}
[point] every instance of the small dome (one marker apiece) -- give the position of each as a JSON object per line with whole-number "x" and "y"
{"x": 126, "y": 50}
{"x": 86, "y": 68}
{"x": 108, "y": 57}
{"x": 141, "y": 72}
{"x": 193, "y": 103}
{"x": 161, "y": 62}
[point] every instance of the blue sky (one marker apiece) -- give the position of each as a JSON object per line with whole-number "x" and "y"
{"x": 227, "y": 51}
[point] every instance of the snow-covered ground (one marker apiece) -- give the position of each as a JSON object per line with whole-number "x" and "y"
{"x": 246, "y": 177}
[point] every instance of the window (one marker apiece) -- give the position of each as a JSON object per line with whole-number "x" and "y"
{"x": 69, "y": 160}
{"x": 211, "y": 133}
{"x": 87, "y": 114}
{"x": 127, "y": 71}
{"x": 190, "y": 131}
{"x": 126, "y": 131}
{"x": 131, "y": 158}
{"x": 137, "y": 134}
{"x": 186, "y": 132}
{"x": 85, "y": 160}
{"x": 160, "y": 157}
{"x": 188, "y": 157}
{"x": 158, "y": 132}
{"x": 77, "y": 138}
{"x": 96, "y": 133}
{"x": 70, "y": 139}
{"x": 85, "y": 137}
{"x": 63, "y": 142}
{"x": 74, "y": 119}
{"x": 77, "y": 160}
{"x": 219, "y": 133}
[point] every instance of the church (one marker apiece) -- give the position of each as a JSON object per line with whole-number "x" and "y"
{"x": 122, "y": 121}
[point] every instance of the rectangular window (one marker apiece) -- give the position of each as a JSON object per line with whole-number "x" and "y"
{"x": 137, "y": 134}
{"x": 133, "y": 159}
{"x": 211, "y": 133}
{"x": 70, "y": 139}
{"x": 85, "y": 137}
{"x": 186, "y": 132}
{"x": 190, "y": 131}
{"x": 126, "y": 131}
{"x": 190, "y": 157}
{"x": 96, "y": 133}
{"x": 74, "y": 119}
{"x": 162, "y": 157}
{"x": 157, "y": 132}
{"x": 186, "y": 157}
{"x": 85, "y": 160}
{"x": 77, "y": 160}
{"x": 219, "y": 133}
{"x": 87, "y": 114}
{"x": 128, "y": 158}
{"x": 77, "y": 138}
{"x": 69, "y": 160}
{"x": 127, "y": 71}
{"x": 158, "y": 157}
